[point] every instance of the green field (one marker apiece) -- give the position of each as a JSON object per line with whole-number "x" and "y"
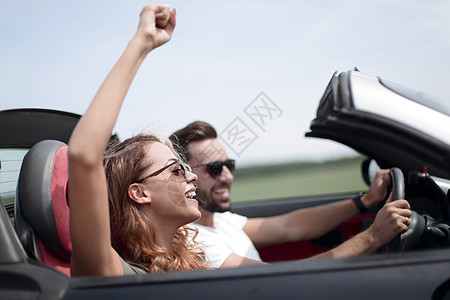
{"x": 297, "y": 179}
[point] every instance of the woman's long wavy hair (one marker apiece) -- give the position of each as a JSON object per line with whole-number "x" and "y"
{"x": 132, "y": 231}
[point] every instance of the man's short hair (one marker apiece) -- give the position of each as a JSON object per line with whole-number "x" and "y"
{"x": 193, "y": 132}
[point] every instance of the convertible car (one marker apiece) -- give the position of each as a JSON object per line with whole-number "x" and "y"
{"x": 389, "y": 125}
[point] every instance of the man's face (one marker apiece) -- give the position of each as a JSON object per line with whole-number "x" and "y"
{"x": 213, "y": 194}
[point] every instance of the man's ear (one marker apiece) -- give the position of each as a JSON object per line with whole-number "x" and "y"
{"x": 138, "y": 194}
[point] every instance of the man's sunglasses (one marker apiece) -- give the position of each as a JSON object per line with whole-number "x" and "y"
{"x": 179, "y": 161}
{"x": 214, "y": 168}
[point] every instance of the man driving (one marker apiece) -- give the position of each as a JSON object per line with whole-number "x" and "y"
{"x": 231, "y": 240}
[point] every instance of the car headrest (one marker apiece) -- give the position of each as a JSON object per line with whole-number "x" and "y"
{"x": 42, "y": 209}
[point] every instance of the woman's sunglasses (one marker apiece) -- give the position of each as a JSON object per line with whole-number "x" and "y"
{"x": 214, "y": 168}
{"x": 179, "y": 161}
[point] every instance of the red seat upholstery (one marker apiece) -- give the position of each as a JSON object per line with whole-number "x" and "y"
{"x": 41, "y": 208}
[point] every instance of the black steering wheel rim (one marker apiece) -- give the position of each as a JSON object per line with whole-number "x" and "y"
{"x": 417, "y": 225}
{"x": 398, "y": 192}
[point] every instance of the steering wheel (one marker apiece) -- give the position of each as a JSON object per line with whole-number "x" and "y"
{"x": 417, "y": 224}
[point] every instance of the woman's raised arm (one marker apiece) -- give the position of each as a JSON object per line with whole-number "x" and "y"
{"x": 88, "y": 193}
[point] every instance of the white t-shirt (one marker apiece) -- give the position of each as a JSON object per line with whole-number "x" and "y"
{"x": 227, "y": 237}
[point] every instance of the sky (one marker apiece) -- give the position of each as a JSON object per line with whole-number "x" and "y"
{"x": 225, "y": 59}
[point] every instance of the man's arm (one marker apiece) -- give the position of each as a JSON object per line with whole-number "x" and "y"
{"x": 309, "y": 223}
{"x": 390, "y": 221}
{"x": 234, "y": 261}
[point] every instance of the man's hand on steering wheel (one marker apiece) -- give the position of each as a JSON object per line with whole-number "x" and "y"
{"x": 392, "y": 220}
{"x": 378, "y": 189}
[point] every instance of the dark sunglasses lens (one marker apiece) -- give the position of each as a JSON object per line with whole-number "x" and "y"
{"x": 215, "y": 168}
{"x": 229, "y": 163}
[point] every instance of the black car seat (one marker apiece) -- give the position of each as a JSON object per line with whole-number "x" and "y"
{"x": 41, "y": 207}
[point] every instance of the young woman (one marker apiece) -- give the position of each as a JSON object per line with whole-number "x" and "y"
{"x": 150, "y": 191}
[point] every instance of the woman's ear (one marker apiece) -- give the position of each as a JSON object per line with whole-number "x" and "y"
{"x": 138, "y": 194}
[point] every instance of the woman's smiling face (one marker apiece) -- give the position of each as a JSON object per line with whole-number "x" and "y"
{"x": 172, "y": 191}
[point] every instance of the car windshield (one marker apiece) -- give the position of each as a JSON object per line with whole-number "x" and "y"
{"x": 432, "y": 102}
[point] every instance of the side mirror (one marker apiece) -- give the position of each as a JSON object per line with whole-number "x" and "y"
{"x": 369, "y": 168}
